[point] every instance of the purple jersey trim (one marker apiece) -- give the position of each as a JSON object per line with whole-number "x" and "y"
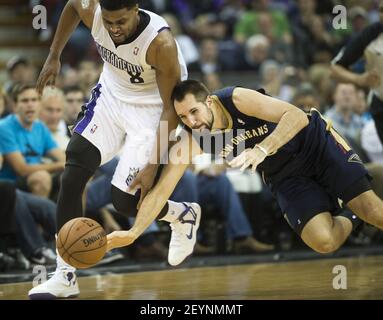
{"x": 89, "y": 112}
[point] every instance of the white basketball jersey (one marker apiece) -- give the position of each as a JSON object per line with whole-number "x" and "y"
{"x": 128, "y": 77}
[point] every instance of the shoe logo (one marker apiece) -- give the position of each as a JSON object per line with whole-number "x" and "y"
{"x": 192, "y": 222}
{"x": 240, "y": 121}
{"x": 190, "y": 236}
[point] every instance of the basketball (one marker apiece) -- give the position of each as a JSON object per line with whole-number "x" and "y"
{"x": 81, "y": 242}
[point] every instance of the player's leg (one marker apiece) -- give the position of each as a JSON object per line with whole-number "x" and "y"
{"x": 82, "y": 161}
{"x": 369, "y": 207}
{"x": 309, "y": 210}
{"x": 345, "y": 177}
{"x": 96, "y": 140}
{"x": 184, "y": 218}
{"x": 141, "y": 122}
{"x": 325, "y": 233}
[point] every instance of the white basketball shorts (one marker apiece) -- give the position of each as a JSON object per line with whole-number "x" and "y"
{"x": 119, "y": 128}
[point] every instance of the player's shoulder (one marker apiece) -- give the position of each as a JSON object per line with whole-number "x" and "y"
{"x": 226, "y": 92}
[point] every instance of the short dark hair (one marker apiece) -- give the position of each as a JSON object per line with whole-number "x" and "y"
{"x": 19, "y": 88}
{"x": 196, "y": 88}
{"x": 72, "y": 88}
{"x": 112, "y": 5}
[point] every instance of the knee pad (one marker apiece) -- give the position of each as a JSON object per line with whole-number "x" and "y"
{"x": 81, "y": 153}
{"x": 125, "y": 203}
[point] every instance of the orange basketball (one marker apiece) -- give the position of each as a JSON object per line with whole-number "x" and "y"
{"x": 81, "y": 242}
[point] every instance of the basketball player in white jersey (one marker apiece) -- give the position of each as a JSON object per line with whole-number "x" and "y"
{"x": 142, "y": 64}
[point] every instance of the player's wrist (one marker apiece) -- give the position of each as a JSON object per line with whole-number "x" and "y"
{"x": 263, "y": 149}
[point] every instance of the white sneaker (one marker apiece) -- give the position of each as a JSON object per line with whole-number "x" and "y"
{"x": 63, "y": 284}
{"x": 184, "y": 233}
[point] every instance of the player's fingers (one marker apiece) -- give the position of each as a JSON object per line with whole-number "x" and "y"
{"x": 246, "y": 164}
{"x": 41, "y": 81}
{"x": 238, "y": 161}
{"x": 254, "y": 168}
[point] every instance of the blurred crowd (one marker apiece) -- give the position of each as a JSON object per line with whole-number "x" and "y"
{"x": 283, "y": 46}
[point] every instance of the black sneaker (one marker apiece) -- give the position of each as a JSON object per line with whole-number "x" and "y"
{"x": 111, "y": 256}
{"x": 6, "y": 262}
{"x": 44, "y": 256}
{"x": 22, "y": 263}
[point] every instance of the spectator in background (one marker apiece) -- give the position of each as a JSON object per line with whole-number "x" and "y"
{"x": 19, "y": 70}
{"x": 52, "y": 114}
{"x": 209, "y": 58}
{"x": 74, "y": 99}
{"x": 3, "y": 111}
{"x": 342, "y": 114}
{"x": 24, "y": 141}
{"x": 187, "y": 46}
{"x": 306, "y": 98}
{"x": 319, "y": 76}
{"x": 88, "y": 72}
{"x": 20, "y": 215}
{"x": 272, "y": 80}
{"x": 257, "y": 50}
{"x": 249, "y": 24}
{"x": 361, "y": 106}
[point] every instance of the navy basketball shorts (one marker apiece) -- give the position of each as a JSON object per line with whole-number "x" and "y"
{"x": 335, "y": 176}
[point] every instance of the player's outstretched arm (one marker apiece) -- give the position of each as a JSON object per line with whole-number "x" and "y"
{"x": 180, "y": 157}
{"x": 73, "y": 12}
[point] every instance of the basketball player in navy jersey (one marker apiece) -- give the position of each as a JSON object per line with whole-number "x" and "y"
{"x": 142, "y": 64}
{"x": 305, "y": 162}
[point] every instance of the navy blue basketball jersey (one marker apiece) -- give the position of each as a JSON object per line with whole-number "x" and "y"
{"x": 245, "y": 132}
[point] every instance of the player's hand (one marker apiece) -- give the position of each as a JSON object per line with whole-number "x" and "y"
{"x": 370, "y": 79}
{"x": 118, "y": 239}
{"x": 144, "y": 180}
{"x": 48, "y": 73}
{"x": 251, "y": 157}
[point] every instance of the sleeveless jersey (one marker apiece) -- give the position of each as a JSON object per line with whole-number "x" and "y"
{"x": 245, "y": 132}
{"x": 125, "y": 71}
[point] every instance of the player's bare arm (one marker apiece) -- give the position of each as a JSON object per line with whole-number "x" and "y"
{"x": 368, "y": 79}
{"x": 73, "y": 12}
{"x": 290, "y": 120}
{"x": 163, "y": 56}
{"x": 156, "y": 199}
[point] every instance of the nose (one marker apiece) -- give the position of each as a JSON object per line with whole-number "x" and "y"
{"x": 191, "y": 121}
{"x": 114, "y": 29}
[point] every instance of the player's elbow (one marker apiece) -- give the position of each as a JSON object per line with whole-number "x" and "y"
{"x": 301, "y": 118}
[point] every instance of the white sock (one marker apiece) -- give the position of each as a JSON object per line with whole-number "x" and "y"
{"x": 61, "y": 264}
{"x": 175, "y": 209}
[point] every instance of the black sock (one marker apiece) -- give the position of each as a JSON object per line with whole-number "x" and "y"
{"x": 347, "y": 213}
{"x": 164, "y": 211}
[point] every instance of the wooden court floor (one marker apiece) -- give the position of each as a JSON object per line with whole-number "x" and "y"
{"x": 288, "y": 280}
